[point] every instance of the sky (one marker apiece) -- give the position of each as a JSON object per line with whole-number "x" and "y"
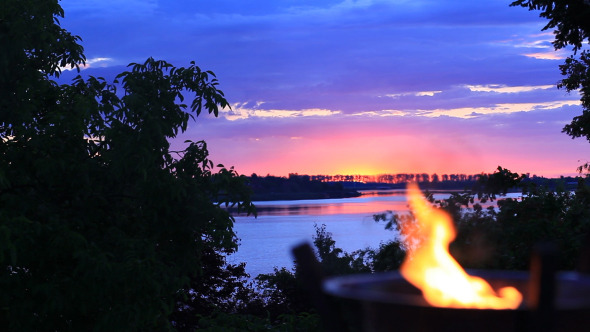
{"x": 354, "y": 86}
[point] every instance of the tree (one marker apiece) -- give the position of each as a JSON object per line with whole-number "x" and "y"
{"x": 570, "y": 20}
{"x": 488, "y": 186}
{"x": 101, "y": 225}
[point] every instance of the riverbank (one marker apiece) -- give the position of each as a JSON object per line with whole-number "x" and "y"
{"x": 295, "y": 187}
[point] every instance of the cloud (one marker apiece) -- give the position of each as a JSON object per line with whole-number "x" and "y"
{"x": 381, "y": 113}
{"x": 537, "y": 40}
{"x": 98, "y": 62}
{"x": 93, "y": 62}
{"x": 238, "y": 112}
{"x": 532, "y": 40}
{"x": 472, "y": 112}
{"x": 540, "y": 44}
{"x": 416, "y": 94}
{"x": 553, "y": 55}
{"x": 502, "y": 88}
{"x": 241, "y": 113}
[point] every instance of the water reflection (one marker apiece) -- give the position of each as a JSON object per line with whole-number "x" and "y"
{"x": 370, "y": 201}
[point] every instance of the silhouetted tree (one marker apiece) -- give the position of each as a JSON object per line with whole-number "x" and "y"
{"x": 102, "y": 226}
{"x": 571, "y": 23}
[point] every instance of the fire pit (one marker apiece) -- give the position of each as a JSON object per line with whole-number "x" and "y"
{"x": 432, "y": 292}
{"x": 390, "y": 303}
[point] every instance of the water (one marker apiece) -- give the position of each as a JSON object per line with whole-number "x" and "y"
{"x": 266, "y": 241}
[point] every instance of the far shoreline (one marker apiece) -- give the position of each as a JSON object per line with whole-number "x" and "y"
{"x": 297, "y": 196}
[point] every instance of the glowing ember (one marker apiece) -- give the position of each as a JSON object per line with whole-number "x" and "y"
{"x": 430, "y": 267}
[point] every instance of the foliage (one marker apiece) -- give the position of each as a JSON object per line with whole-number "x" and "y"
{"x": 504, "y": 237}
{"x": 283, "y": 293}
{"x": 34, "y": 47}
{"x": 101, "y": 225}
{"x": 220, "y": 321}
{"x": 488, "y": 186}
{"x": 569, "y": 18}
{"x": 334, "y": 260}
{"x": 388, "y": 257}
{"x": 221, "y": 287}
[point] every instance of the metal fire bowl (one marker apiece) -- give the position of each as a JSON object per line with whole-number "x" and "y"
{"x": 390, "y": 303}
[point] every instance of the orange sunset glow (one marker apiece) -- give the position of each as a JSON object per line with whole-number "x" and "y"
{"x": 376, "y": 154}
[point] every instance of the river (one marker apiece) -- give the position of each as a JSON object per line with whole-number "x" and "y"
{"x": 266, "y": 241}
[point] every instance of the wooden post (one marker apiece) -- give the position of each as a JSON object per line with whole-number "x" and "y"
{"x": 541, "y": 292}
{"x": 312, "y": 277}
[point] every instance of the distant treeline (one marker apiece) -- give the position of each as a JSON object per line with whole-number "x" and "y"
{"x": 399, "y": 181}
{"x": 267, "y": 188}
{"x": 298, "y": 186}
{"x": 401, "y": 178}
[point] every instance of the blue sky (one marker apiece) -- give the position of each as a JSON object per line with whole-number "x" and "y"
{"x": 356, "y": 87}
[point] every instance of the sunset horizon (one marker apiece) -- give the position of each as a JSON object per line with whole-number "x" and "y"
{"x": 379, "y": 173}
{"x": 354, "y": 87}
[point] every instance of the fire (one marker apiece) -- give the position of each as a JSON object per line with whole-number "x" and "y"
{"x": 430, "y": 267}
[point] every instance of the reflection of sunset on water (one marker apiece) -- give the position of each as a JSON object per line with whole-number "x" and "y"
{"x": 370, "y": 202}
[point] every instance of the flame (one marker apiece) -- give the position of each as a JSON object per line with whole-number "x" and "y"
{"x": 430, "y": 267}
